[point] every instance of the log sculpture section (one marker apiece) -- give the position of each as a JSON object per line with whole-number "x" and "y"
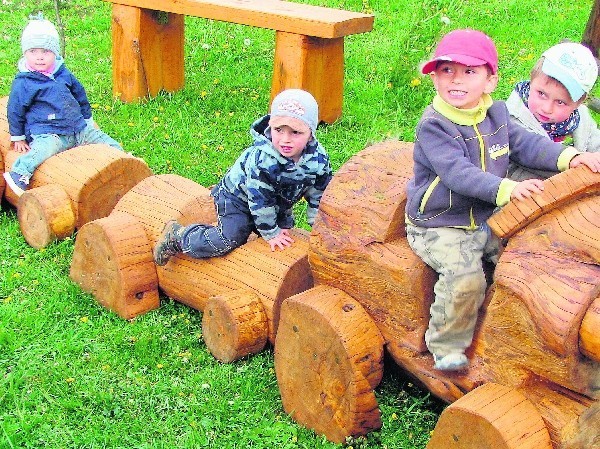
{"x": 249, "y": 284}
{"x": 535, "y": 351}
{"x": 71, "y": 188}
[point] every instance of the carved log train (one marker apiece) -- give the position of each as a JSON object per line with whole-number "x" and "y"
{"x": 331, "y": 304}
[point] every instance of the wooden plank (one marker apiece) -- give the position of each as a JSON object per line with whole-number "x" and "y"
{"x": 277, "y": 15}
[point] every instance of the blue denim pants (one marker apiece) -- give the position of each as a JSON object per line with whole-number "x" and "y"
{"x": 44, "y": 146}
{"x": 234, "y": 226}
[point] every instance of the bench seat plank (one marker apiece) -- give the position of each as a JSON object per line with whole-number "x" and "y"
{"x": 277, "y": 15}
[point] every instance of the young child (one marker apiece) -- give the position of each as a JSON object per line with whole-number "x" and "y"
{"x": 48, "y": 110}
{"x": 285, "y": 163}
{"x": 551, "y": 102}
{"x": 463, "y": 143}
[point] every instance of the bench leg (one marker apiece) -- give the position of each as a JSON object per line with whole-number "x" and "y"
{"x": 147, "y": 52}
{"x": 313, "y": 64}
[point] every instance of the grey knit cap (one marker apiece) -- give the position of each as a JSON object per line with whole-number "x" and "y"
{"x": 295, "y": 107}
{"x": 40, "y": 33}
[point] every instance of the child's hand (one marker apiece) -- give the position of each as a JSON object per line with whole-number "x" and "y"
{"x": 20, "y": 146}
{"x": 590, "y": 160}
{"x": 281, "y": 240}
{"x": 525, "y": 189}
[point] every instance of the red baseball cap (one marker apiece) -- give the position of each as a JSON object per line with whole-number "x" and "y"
{"x": 467, "y": 47}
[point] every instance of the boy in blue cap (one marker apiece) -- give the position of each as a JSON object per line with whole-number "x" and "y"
{"x": 550, "y": 103}
{"x": 48, "y": 110}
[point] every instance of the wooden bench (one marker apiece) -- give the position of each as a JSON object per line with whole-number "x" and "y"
{"x": 148, "y": 38}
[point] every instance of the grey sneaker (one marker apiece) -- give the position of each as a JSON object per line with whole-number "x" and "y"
{"x": 169, "y": 243}
{"x": 451, "y": 362}
{"x": 17, "y": 183}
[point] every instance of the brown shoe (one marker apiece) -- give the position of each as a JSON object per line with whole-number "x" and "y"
{"x": 169, "y": 243}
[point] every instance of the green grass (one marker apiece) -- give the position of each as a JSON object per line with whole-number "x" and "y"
{"x": 72, "y": 374}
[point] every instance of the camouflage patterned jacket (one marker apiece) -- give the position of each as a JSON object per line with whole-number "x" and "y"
{"x": 269, "y": 184}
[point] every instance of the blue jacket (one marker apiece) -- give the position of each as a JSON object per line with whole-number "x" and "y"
{"x": 461, "y": 162}
{"x": 39, "y": 104}
{"x": 267, "y": 184}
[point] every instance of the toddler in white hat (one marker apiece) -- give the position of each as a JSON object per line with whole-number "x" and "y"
{"x": 551, "y": 102}
{"x": 48, "y": 109}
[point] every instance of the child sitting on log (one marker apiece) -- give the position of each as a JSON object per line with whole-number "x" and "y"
{"x": 550, "y": 103}
{"x": 285, "y": 163}
{"x": 48, "y": 109}
{"x": 464, "y": 142}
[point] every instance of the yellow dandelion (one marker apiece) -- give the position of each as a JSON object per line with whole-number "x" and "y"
{"x": 16, "y": 275}
{"x": 84, "y": 319}
{"x": 7, "y": 299}
{"x": 394, "y": 417}
{"x": 203, "y": 94}
{"x": 204, "y": 147}
{"x": 216, "y": 81}
{"x": 217, "y": 114}
{"x": 94, "y": 105}
{"x": 415, "y": 82}
{"x": 69, "y": 380}
{"x": 160, "y": 365}
{"x": 155, "y": 119}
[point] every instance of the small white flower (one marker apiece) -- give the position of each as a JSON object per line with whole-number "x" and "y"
{"x": 247, "y": 42}
{"x": 206, "y": 46}
{"x": 445, "y": 20}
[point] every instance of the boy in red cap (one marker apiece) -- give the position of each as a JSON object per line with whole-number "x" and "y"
{"x": 464, "y": 142}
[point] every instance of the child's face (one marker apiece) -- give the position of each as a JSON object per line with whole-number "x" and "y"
{"x": 289, "y": 142}
{"x": 462, "y": 86}
{"x": 549, "y": 101}
{"x": 40, "y": 59}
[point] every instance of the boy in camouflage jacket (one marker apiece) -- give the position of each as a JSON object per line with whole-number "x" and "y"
{"x": 285, "y": 164}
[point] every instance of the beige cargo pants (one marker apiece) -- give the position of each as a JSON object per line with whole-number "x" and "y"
{"x": 457, "y": 256}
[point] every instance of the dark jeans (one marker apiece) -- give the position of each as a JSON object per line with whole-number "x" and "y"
{"x": 232, "y": 230}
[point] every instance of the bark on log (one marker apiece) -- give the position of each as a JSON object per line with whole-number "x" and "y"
{"x": 328, "y": 360}
{"x": 234, "y": 325}
{"x": 491, "y": 417}
{"x": 45, "y": 215}
{"x": 113, "y": 261}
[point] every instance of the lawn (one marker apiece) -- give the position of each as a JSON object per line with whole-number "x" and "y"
{"x": 74, "y": 375}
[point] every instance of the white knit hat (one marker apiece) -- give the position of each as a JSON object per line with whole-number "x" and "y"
{"x": 573, "y": 65}
{"x": 40, "y": 33}
{"x": 296, "y": 108}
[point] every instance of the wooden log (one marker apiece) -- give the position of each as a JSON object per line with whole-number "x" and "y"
{"x": 112, "y": 260}
{"x": 234, "y": 325}
{"x": 589, "y": 339}
{"x": 545, "y": 283}
{"x": 563, "y": 411}
{"x": 491, "y": 417}
{"x": 358, "y": 245}
{"x": 160, "y": 198}
{"x": 328, "y": 360}
{"x": 272, "y": 275}
{"x": 45, "y": 214}
{"x": 94, "y": 176}
{"x": 563, "y": 188}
